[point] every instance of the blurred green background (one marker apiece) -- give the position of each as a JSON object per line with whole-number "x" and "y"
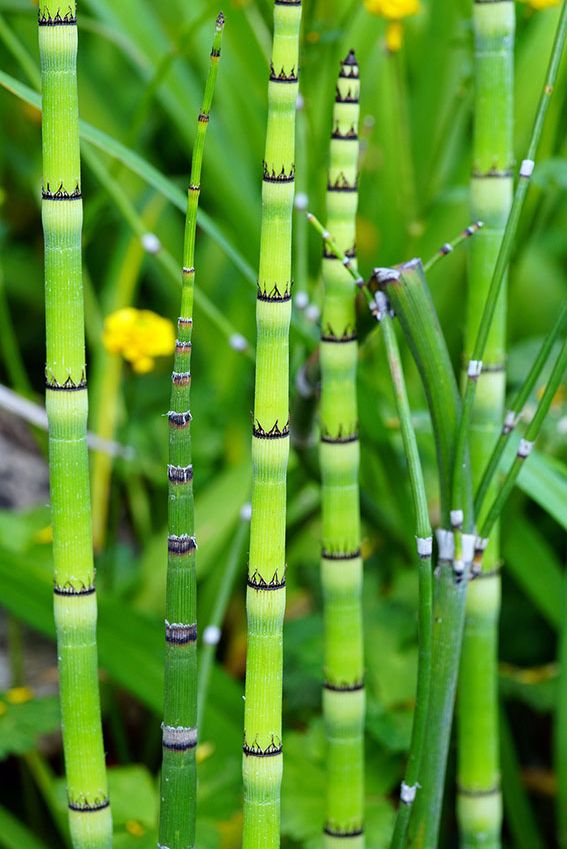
{"x": 141, "y": 71}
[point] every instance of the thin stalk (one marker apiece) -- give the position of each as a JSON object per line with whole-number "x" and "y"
{"x": 449, "y": 247}
{"x": 413, "y": 777}
{"x": 479, "y": 800}
{"x": 66, "y": 402}
{"x": 178, "y": 788}
{"x": 265, "y": 596}
{"x": 341, "y": 561}
{"x": 515, "y": 409}
{"x": 526, "y": 444}
{"x": 503, "y": 258}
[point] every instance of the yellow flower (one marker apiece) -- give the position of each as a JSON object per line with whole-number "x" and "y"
{"x": 392, "y": 10}
{"x": 538, "y": 5}
{"x": 19, "y": 695}
{"x": 138, "y": 336}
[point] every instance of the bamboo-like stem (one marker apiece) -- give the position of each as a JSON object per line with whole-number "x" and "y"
{"x": 479, "y": 801}
{"x": 66, "y": 402}
{"x": 524, "y": 449}
{"x": 341, "y": 562}
{"x": 178, "y": 788}
{"x": 515, "y": 409}
{"x": 491, "y": 303}
{"x": 265, "y": 597}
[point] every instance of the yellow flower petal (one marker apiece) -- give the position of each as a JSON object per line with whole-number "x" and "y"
{"x": 19, "y": 695}
{"x": 393, "y": 10}
{"x": 394, "y": 36}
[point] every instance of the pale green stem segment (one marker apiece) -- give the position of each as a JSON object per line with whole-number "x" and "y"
{"x": 341, "y": 562}
{"x": 178, "y": 787}
{"x": 479, "y": 801}
{"x": 515, "y": 410}
{"x": 265, "y": 598}
{"x": 66, "y": 402}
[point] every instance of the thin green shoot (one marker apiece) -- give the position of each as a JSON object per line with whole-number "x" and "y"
{"x": 449, "y": 247}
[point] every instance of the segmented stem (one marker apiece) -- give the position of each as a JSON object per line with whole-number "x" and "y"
{"x": 179, "y": 729}
{"x": 66, "y": 402}
{"x": 265, "y": 598}
{"x": 479, "y": 801}
{"x": 341, "y": 562}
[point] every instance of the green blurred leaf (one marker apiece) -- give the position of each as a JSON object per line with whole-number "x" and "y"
{"x": 22, "y": 725}
{"x": 14, "y": 835}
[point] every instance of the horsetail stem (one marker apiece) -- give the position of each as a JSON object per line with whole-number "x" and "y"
{"x": 341, "y": 562}
{"x": 265, "y": 598}
{"x": 178, "y": 787}
{"x": 448, "y": 247}
{"x": 66, "y": 403}
{"x": 524, "y": 450}
{"x": 515, "y": 409}
{"x": 479, "y": 802}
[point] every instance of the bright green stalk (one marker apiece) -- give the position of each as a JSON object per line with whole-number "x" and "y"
{"x": 66, "y": 402}
{"x": 449, "y": 247}
{"x": 515, "y": 410}
{"x": 341, "y": 562}
{"x": 178, "y": 788}
{"x": 265, "y": 597}
{"x": 526, "y": 445}
{"x": 479, "y": 801}
{"x": 413, "y": 777}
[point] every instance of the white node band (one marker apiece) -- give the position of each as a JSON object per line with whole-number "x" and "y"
{"x": 468, "y": 542}
{"x": 525, "y": 448}
{"x": 446, "y": 544}
{"x": 527, "y": 167}
{"x": 212, "y": 635}
{"x": 475, "y": 368}
{"x": 481, "y": 543}
{"x": 424, "y": 546}
{"x": 510, "y": 421}
{"x": 457, "y": 517}
{"x": 408, "y": 792}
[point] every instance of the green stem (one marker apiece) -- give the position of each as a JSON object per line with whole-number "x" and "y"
{"x": 479, "y": 802}
{"x": 526, "y": 445}
{"x": 265, "y": 597}
{"x": 341, "y": 561}
{"x": 413, "y": 777}
{"x": 66, "y": 403}
{"x": 449, "y": 247}
{"x": 515, "y": 410}
{"x": 178, "y": 788}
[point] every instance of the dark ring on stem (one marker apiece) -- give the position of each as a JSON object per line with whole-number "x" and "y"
{"x": 179, "y": 420}
{"x": 87, "y": 808}
{"x": 281, "y": 177}
{"x": 350, "y": 135}
{"x": 257, "y": 582}
{"x": 353, "y": 75}
{"x": 256, "y": 752}
{"x": 44, "y": 19}
{"x": 274, "y": 294}
{"x": 329, "y": 337}
{"x": 339, "y": 439}
{"x": 332, "y": 833}
{"x": 68, "y": 386}
{"x": 203, "y": 118}
{"x": 179, "y": 474}
{"x": 176, "y": 633}
{"x": 282, "y": 77}
{"x": 343, "y": 186}
{"x": 61, "y": 193}
{"x": 69, "y": 590}
{"x": 182, "y": 346}
{"x": 478, "y": 794}
{"x": 493, "y": 173}
{"x": 182, "y": 544}
{"x": 183, "y": 321}
{"x": 274, "y": 433}
{"x": 344, "y": 688}
{"x": 181, "y": 378}
{"x": 287, "y": 2}
{"x": 346, "y": 555}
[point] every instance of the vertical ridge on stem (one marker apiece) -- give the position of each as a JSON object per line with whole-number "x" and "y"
{"x": 265, "y": 596}
{"x": 341, "y": 563}
{"x": 178, "y": 788}
{"x": 75, "y": 604}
